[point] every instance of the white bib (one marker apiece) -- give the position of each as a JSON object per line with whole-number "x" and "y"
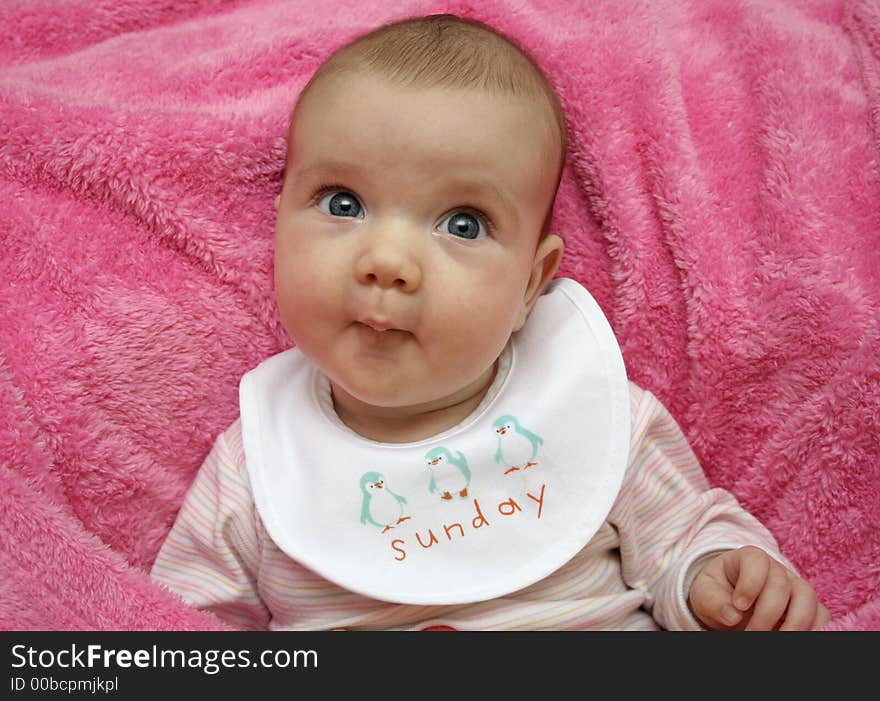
{"x": 488, "y": 507}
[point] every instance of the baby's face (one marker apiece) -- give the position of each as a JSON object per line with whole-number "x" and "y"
{"x": 406, "y": 234}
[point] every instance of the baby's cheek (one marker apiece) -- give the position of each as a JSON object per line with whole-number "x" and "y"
{"x": 297, "y": 276}
{"x": 472, "y": 341}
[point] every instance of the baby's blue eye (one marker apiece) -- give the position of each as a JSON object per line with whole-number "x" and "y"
{"x": 340, "y": 203}
{"x": 463, "y": 225}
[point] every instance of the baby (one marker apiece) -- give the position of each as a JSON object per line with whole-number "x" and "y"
{"x": 453, "y": 441}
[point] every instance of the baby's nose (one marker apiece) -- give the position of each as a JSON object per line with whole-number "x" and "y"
{"x": 389, "y": 265}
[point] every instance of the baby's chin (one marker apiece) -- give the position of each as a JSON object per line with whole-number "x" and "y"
{"x": 390, "y": 395}
{"x": 384, "y": 397}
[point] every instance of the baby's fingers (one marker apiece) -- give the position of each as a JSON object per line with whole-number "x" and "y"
{"x": 746, "y": 569}
{"x": 710, "y": 601}
{"x": 822, "y": 617}
{"x": 774, "y": 599}
{"x": 805, "y": 612}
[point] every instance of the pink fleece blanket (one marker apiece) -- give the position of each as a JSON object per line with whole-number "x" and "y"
{"x": 721, "y": 201}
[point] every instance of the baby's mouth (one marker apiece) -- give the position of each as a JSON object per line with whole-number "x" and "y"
{"x": 377, "y": 325}
{"x": 380, "y": 332}
{"x": 381, "y": 324}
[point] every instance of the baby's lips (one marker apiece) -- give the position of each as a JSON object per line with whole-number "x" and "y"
{"x": 381, "y": 323}
{"x": 377, "y": 325}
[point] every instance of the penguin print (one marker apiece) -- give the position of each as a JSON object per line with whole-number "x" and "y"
{"x": 381, "y": 507}
{"x": 449, "y": 474}
{"x": 517, "y": 446}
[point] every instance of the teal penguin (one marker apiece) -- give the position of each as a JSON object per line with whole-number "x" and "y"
{"x": 380, "y": 506}
{"x": 517, "y": 446}
{"x": 449, "y": 474}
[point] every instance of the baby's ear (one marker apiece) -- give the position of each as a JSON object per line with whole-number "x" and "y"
{"x": 547, "y": 259}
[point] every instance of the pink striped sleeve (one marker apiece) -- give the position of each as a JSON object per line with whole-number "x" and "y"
{"x": 211, "y": 556}
{"x": 669, "y": 519}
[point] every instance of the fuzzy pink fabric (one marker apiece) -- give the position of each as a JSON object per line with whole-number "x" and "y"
{"x": 721, "y": 200}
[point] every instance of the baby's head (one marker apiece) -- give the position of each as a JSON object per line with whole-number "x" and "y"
{"x": 412, "y": 235}
{"x": 445, "y": 51}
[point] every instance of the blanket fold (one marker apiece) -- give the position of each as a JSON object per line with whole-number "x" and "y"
{"x": 720, "y": 201}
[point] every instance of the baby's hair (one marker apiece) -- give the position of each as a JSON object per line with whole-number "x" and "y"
{"x": 444, "y": 50}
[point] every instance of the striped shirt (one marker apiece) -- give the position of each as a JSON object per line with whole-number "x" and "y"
{"x": 633, "y": 574}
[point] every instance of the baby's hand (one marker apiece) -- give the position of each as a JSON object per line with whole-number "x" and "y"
{"x": 746, "y": 589}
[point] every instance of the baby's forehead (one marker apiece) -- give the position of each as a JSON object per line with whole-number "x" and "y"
{"x": 354, "y": 80}
{"x": 331, "y": 95}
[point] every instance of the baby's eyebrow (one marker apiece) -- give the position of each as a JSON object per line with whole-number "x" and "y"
{"x": 476, "y": 187}
{"x": 343, "y": 168}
